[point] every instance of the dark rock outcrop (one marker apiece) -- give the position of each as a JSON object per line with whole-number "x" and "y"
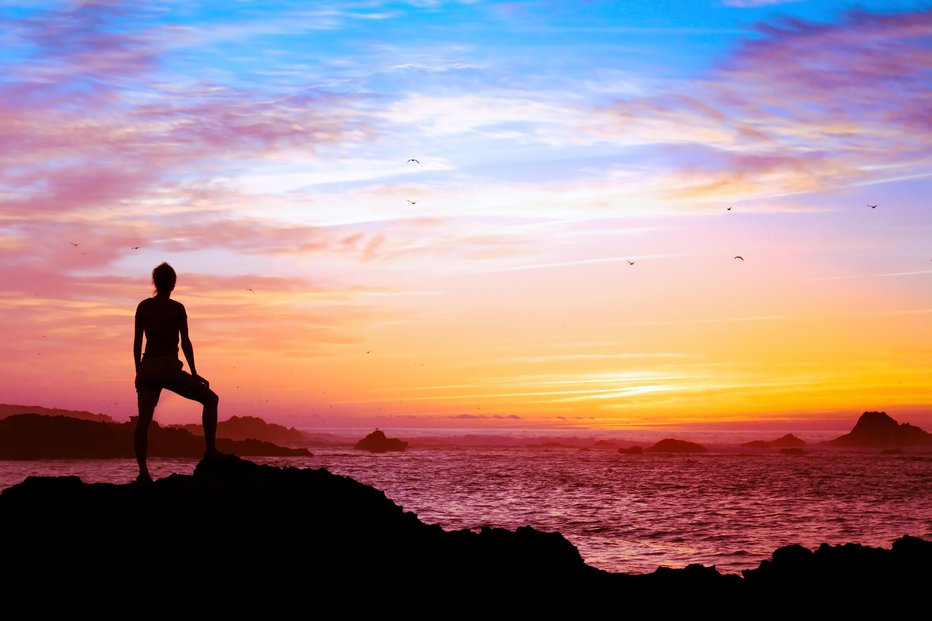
{"x": 876, "y": 430}
{"x": 631, "y": 450}
{"x": 671, "y": 445}
{"x": 787, "y": 441}
{"x": 377, "y": 442}
{"x": 33, "y": 436}
{"x": 272, "y": 526}
{"x": 877, "y": 575}
{"x": 252, "y": 534}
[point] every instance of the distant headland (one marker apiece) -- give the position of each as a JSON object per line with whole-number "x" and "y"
{"x": 36, "y": 436}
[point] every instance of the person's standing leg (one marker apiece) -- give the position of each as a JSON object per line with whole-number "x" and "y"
{"x": 209, "y": 420}
{"x": 141, "y": 435}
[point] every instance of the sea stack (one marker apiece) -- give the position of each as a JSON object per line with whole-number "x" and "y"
{"x": 377, "y": 442}
{"x": 877, "y": 429}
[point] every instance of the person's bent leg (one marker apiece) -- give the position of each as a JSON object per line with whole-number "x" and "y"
{"x": 192, "y": 388}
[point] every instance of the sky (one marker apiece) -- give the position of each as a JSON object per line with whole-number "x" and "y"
{"x": 474, "y": 214}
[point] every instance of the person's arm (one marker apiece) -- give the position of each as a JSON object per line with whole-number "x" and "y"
{"x": 188, "y": 349}
{"x": 137, "y": 341}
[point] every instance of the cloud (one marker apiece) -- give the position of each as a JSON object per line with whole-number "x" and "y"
{"x": 850, "y": 93}
{"x": 744, "y": 4}
{"x": 89, "y": 118}
{"x": 541, "y": 266}
{"x": 542, "y": 117}
{"x": 709, "y": 320}
{"x": 481, "y": 416}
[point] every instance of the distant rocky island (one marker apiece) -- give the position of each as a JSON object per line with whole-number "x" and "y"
{"x": 378, "y": 442}
{"x": 261, "y": 518}
{"x": 36, "y": 436}
{"x": 253, "y": 428}
{"x": 878, "y": 430}
{"x": 667, "y": 445}
{"x": 672, "y": 445}
{"x": 787, "y": 441}
{"x": 7, "y": 410}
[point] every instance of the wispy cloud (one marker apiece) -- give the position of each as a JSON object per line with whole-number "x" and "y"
{"x": 605, "y": 356}
{"x": 848, "y": 91}
{"x": 754, "y": 3}
{"x": 542, "y": 266}
{"x": 670, "y": 322}
{"x": 881, "y": 275}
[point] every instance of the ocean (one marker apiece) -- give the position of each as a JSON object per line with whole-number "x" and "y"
{"x": 628, "y": 513}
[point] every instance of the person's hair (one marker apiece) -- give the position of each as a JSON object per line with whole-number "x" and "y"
{"x": 164, "y": 278}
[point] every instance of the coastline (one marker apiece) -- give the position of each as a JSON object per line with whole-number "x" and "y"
{"x": 263, "y": 516}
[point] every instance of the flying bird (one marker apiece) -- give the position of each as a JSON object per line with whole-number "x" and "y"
{"x": 630, "y": 262}
{"x": 411, "y": 201}
{"x": 873, "y": 206}
{"x": 251, "y": 290}
{"x": 412, "y": 160}
{"x": 73, "y": 243}
{"x": 739, "y": 257}
{"x": 135, "y": 247}
{"x": 728, "y": 209}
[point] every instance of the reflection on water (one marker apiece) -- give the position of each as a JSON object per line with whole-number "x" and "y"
{"x": 624, "y": 513}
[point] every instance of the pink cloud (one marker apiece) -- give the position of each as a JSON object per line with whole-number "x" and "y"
{"x": 88, "y": 119}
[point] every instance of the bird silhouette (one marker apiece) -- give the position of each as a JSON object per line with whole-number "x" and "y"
{"x": 251, "y": 290}
{"x": 411, "y": 201}
{"x": 728, "y": 209}
{"x": 73, "y": 243}
{"x": 412, "y": 160}
{"x": 873, "y": 206}
{"x": 739, "y": 257}
{"x": 135, "y": 247}
{"x": 630, "y": 262}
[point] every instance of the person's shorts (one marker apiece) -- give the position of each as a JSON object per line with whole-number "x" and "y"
{"x": 158, "y": 372}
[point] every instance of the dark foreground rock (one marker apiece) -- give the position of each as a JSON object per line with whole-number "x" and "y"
{"x": 33, "y": 436}
{"x": 247, "y": 534}
{"x": 377, "y": 442}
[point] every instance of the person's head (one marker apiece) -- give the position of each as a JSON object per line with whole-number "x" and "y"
{"x": 164, "y": 278}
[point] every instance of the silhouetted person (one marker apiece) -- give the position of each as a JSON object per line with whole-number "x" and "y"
{"x": 163, "y": 321}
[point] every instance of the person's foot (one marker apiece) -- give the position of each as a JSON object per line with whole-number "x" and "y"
{"x": 144, "y": 478}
